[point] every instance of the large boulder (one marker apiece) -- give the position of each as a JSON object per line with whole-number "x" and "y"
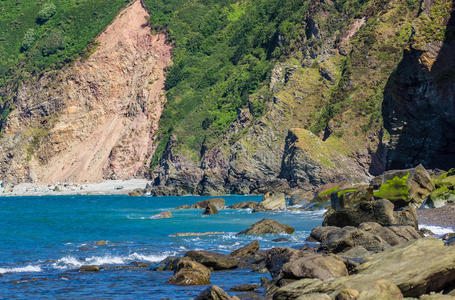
{"x": 188, "y": 272}
{"x": 246, "y": 250}
{"x": 216, "y": 261}
{"x": 404, "y": 187}
{"x": 314, "y": 265}
{"x": 416, "y": 268}
{"x": 271, "y": 201}
{"x": 266, "y": 226}
{"x": 213, "y": 293}
{"x": 392, "y": 235}
{"x": 379, "y": 211}
{"x": 349, "y": 237}
{"x": 301, "y": 198}
{"x": 219, "y": 203}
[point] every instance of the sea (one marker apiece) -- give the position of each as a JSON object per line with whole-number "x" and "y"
{"x": 45, "y": 240}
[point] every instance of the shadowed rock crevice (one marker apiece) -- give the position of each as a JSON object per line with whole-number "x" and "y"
{"x": 419, "y": 103}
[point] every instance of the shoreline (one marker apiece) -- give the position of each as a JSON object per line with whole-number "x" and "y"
{"x": 106, "y": 187}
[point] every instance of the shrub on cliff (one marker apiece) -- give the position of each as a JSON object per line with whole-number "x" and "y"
{"x": 29, "y": 39}
{"x": 47, "y": 12}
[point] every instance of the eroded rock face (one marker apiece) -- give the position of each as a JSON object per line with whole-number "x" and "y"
{"x": 188, "y": 272}
{"x": 96, "y": 119}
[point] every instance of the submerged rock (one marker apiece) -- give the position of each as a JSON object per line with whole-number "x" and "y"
{"x": 267, "y": 226}
{"x": 216, "y": 261}
{"x": 244, "y": 287}
{"x": 196, "y": 233}
{"x": 89, "y": 269}
{"x": 163, "y": 215}
{"x": 188, "y": 272}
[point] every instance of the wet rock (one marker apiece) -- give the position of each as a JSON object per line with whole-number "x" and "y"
{"x": 314, "y": 265}
{"x": 244, "y": 288}
{"x": 89, "y": 269}
{"x": 163, "y": 215}
{"x": 188, "y": 272}
{"x": 168, "y": 264}
{"x": 278, "y": 240}
{"x": 210, "y": 210}
{"x": 219, "y": 203}
{"x": 247, "y": 250}
{"x": 277, "y": 257}
{"x": 271, "y": 201}
{"x": 185, "y": 206}
{"x": 244, "y": 205}
{"x": 267, "y": 226}
{"x": 213, "y": 293}
{"x": 101, "y": 243}
{"x": 136, "y": 193}
{"x": 404, "y": 187}
{"x": 141, "y": 264}
{"x": 216, "y": 261}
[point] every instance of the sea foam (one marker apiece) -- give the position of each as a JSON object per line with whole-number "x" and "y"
{"x": 437, "y": 230}
{"x": 26, "y": 269}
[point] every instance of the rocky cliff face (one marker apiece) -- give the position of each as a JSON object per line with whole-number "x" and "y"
{"x": 419, "y": 100}
{"x": 95, "y": 119}
{"x": 324, "y": 124}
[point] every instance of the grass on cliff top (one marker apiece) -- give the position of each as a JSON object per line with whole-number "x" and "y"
{"x": 37, "y": 36}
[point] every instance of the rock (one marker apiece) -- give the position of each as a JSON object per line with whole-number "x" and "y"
{"x": 219, "y": 203}
{"x": 247, "y": 250}
{"x": 213, "y": 260}
{"x": 348, "y": 294}
{"x": 163, "y": 215}
{"x": 188, "y": 272}
{"x": 210, "y": 210}
{"x": 266, "y": 226}
{"x": 379, "y": 211}
{"x": 213, "y": 293}
{"x": 357, "y": 252}
{"x": 342, "y": 239}
{"x": 168, "y": 264}
{"x": 350, "y": 197}
{"x": 270, "y": 202}
{"x": 101, "y": 243}
{"x": 277, "y": 257}
{"x": 403, "y": 187}
{"x": 278, "y": 240}
{"x": 314, "y": 265}
{"x": 185, "y": 206}
{"x": 136, "y": 193}
{"x": 437, "y": 297}
{"x": 393, "y": 235}
{"x": 196, "y": 233}
{"x": 244, "y": 205}
{"x": 89, "y": 269}
{"x": 140, "y": 264}
{"x": 301, "y": 198}
{"x": 244, "y": 288}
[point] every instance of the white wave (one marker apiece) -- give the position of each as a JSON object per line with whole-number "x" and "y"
{"x": 69, "y": 262}
{"x": 26, "y": 269}
{"x": 437, "y": 230}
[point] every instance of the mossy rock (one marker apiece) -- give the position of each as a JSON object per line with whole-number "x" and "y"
{"x": 350, "y": 197}
{"x": 404, "y": 187}
{"x": 440, "y": 196}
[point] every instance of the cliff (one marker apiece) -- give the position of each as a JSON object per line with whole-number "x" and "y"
{"x": 94, "y": 119}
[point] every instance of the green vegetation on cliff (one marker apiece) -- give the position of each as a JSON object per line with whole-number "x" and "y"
{"x": 38, "y": 36}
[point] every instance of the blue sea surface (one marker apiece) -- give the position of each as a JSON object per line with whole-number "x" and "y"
{"x": 44, "y": 240}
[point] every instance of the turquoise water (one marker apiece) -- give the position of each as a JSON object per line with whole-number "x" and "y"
{"x": 44, "y": 240}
